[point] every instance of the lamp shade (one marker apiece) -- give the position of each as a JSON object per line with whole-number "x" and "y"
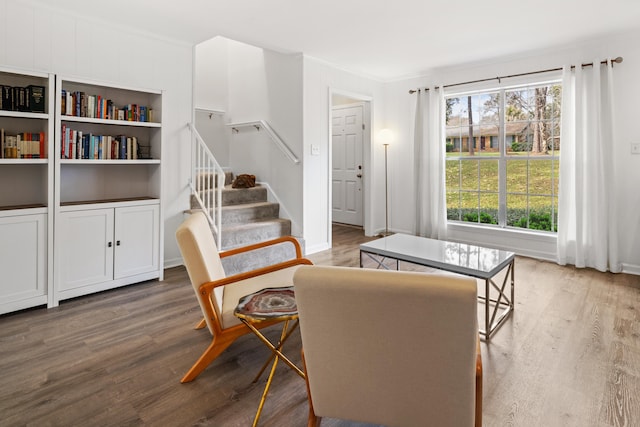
{"x": 385, "y": 136}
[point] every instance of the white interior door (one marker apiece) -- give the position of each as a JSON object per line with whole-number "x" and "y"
{"x": 346, "y": 177}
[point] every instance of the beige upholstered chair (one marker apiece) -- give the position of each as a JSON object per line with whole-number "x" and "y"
{"x": 388, "y": 347}
{"x": 217, "y": 294}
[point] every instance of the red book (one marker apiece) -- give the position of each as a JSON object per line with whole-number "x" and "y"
{"x": 43, "y": 149}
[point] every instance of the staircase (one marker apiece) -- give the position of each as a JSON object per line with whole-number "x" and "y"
{"x": 247, "y": 217}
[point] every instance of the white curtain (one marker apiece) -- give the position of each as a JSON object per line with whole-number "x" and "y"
{"x": 429, "y": 169}
{"x": 587, "y": 232}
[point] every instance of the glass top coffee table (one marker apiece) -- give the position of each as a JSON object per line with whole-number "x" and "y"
{"x": 475, "y": 261}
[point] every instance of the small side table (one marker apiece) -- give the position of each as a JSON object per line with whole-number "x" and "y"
{"x": 270, "y": 304}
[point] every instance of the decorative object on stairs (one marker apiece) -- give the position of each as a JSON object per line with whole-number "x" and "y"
{"x": 244, "y": 181}
{"x": 386, "y": 136}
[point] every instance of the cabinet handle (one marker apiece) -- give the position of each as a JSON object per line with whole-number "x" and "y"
{"x": 109, "y": 244}
{"x": 117, "y": 242}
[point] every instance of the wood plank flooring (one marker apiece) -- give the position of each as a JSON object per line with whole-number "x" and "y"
{"x": 569, "y": 356}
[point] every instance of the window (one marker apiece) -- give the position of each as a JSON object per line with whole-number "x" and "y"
{"x": 502, "y": 156}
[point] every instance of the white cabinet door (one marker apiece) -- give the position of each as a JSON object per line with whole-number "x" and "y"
{"x": 86, "y": 248}
{"x": 137, "y": 246}
{"x": 23, "y": 261}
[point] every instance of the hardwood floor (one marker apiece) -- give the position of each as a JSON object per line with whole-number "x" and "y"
{"x": 569, "y": 356}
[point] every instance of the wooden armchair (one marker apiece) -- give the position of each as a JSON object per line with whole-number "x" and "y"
{"x": 388, "y": 347}
{"x": 218, "y": 294}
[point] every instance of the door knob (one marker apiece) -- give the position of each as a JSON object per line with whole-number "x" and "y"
{"x": 359, "y": 175}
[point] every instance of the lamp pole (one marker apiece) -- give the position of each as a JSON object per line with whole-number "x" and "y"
{"x": 386, "y": 192}
{"x": 386, "y": 137}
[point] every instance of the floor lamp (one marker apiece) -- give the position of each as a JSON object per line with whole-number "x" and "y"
{"x": 385, "y": 136}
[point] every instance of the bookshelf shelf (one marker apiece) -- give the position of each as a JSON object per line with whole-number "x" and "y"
{"x": 24, "y": 114}
{"x": 109, "y": 162}
{"x": 26, "y": 216}
{"x": 24, "y": 161}
{"x": 110, "y": 122}
{"x": 108, "y": 187}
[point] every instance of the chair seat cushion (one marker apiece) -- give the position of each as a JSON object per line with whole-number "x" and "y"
{"x": 235, "y": 291}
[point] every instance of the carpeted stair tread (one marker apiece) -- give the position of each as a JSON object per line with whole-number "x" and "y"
{"x": 260, "y": 258}
{"x": 234, "y": 235}
{"x": 235, "y": 196}
{"x": 245, "y": 212}
{"x": 256, "y": 224}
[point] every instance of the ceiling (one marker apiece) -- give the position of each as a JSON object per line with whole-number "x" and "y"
{"x": 382, "y": 39}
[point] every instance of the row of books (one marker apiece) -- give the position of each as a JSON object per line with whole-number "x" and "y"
{"x": 79, "y": 104}
{"x": 25, "y": 145}
{"x": 16, "y": 98}
{"x": 79, "y": 145}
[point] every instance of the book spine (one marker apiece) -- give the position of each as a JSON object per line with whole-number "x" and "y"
{"x": 63, "y": 135}
{"x": 69, "y": 105}
{"x": 43, "y": 146}
{"x": 134, "y": 148}
{"x": 78, "y": 153}
{"x": 123, "y": 148}
{"x": 85, "y": 146}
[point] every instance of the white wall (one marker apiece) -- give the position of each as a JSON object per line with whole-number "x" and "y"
{"x": 211, "y": 77}
{"x": 35, "y": 37}
{"x": 399, "y": 113}
{"x": 212, "y": 127}
{"x": 265, "y": 85}
{"x": 319, "y": 80}
{"x": 211, "y": 96}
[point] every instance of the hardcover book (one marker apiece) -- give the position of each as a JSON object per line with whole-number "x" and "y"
{"x": 36, "y": 98}
{"x": 7, "y": 97}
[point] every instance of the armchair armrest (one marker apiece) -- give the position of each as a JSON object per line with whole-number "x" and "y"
{"x": 206, "y": 288}
{"x": 259, "y": 245}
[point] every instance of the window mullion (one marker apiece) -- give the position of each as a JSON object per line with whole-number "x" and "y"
{"x": 502, "y": 164}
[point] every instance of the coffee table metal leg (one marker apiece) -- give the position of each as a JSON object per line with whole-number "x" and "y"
{"x": 487, "y": 302}
{"x": 494, "y": 321}
{"x": 379, "y": 259}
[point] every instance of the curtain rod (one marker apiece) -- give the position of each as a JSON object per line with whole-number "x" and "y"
{"x": 617, "y": 60}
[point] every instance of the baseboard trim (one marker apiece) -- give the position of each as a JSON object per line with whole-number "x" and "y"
{"x": 631, "y": 269}
{"x": 317, "y": 248}
{"x": 175, "y": 262}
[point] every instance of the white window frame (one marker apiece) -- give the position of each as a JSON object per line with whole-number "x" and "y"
{"x": 501, "y": 156}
